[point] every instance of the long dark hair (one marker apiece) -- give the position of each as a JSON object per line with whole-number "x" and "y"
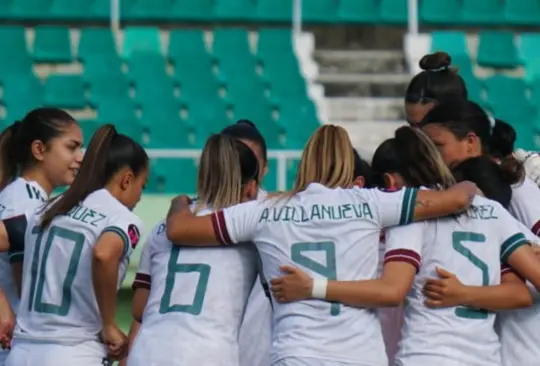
{"x": 107, "y": 153}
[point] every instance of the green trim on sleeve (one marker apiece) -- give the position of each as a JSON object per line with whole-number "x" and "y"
{"x": 16, "y": 257}
{"x": 407, "y": 208}
{"x": 511, "y": 244}
{"x": 121, "y": 233}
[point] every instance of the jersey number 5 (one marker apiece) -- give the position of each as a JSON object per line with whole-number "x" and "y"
{"x": 327, "y": 270}
{"x": 37, "y": 270}
{"x": 458, "y": 237}
{"x": 174, "y": 268}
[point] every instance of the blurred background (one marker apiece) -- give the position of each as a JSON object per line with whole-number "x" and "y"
{"x": 170, "y": 72}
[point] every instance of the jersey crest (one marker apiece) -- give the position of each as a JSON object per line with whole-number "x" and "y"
{"x": 134, "y": 235}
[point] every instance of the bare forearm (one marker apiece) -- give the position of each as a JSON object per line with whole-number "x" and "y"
{"x": 371, "y": 293}
{"x": 506, "y": 296}
{"x": 105, "y": 279}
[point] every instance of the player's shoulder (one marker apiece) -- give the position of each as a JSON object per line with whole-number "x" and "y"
{"x": 21, "y": 195}
{"x": 526, "y": 188}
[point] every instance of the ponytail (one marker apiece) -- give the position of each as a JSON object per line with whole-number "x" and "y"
{"x": 501, "y": 146}
{"x": 9, "y": 161}
{"x": 225, "y": 167}
{"x": 92, "y": 175}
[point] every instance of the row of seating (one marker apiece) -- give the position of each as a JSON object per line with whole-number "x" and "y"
{"x": 331, "y": 11}
{"x": 498, "y": 49}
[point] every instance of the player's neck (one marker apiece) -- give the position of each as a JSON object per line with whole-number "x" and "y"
{"x": 36, "y": 176}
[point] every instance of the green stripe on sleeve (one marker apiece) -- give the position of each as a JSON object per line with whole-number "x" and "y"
{"x": 121, "y": 233}
{"x": 407, "y": 208}
{"x": 511, "y": 244}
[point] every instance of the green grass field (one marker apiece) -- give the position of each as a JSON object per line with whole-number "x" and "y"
{"x": 123, "y": 313}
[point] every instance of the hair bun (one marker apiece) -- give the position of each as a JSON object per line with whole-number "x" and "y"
{"x": 438, "y": 61}
{"x": 246, "y": 122}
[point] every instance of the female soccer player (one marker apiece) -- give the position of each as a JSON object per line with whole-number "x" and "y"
{"x": 77, "y": 251}
{"x": 457, "y": 335}
{"x": 331, "y": 230}
{"x": 437, "y": 82}
{"x": 37, "y": 154}
{"x": 194, "y": 298}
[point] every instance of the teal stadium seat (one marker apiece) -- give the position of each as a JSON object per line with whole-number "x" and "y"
{"x": 522, "y": 12}
{"x": 394, "y": 11}
{"x": 298, "y": 118}
{"x": 319, "y": 11}
{"x": 238, "y": 10}
{"x": 506, "y": 91}
{"x": 107, "y": 87}
{"x": 29, "y": 9}
{"x": 65, "y": 91}
{"x": 21, "y": 93}
{"x": 359, "y": 11}
{"x": 150, "y": 9}
{"x": 193, "y": 10}
{"x": 69, "y": 10}
{"x": 169, "y": 136}
{"x": 269, "y": 182}
{"x": 52, "y": 44}
{"x": 88, "y": 127}
{"x": 166, "y": 113}
{"x": 274, "y": 10}
{"x": 117, "y": 109}
{"x": 173, "y": 176}
{"x": 482, "y": 12}
{"x": 452, "y": 42}
{"x": 529, "y": 54}
{"x": 96, "y": 42}
{"x": 147, "y": 70}
{"x": 274, "y": 42}
{"x": 12, "y": 38}
{"x": 497, "y": 49}
{"x": 440, "y": 11}
{"x": 232, "y": 50}
{"x": 140, "y": 39}
{"x": 535, "y": 92}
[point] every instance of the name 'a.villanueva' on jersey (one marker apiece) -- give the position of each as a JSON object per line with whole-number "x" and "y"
{"x": 316, "y": 212}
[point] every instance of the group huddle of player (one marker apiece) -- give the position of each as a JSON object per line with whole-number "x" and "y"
{"x": 426, "y": 257}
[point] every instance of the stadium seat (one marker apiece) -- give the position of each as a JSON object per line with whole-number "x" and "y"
{"x": 319, "y": 11}
{"x": 298, "y": 118}
{"x": 231, "y": 43}
{"x": 274, "y": 41}
{"x": 147, "y": 68}
{"x": 88, "y": 127}
{"x": 173, "y": 175}
{"x": 239, "y": 10}
{"x": 482, "y": 12}
{"x": 116, "y": 109}
{"x": 21, "y": 93}
{"x": 520, "y": 117}
{"x": 270, "y": 180}
{"x": 168, "y": 136}
{"x": 359, "y": 11}
{"x": 522, "y": 12}
{"x": 96, "y": 41}
{"x": 284, "y": 81}
{"x": 108, "y": 87}
{"x": 440, "y": 12}
{"x": 497, "y": 49}
{"x": 529, "y": 54}
{"x": 140, "y": 39}
{"x": 19, "y": 60}
{"x": 52, "y": 44}
{"x": 187, "y": 43}
{"x": 258, "y": 109}
{"x": 69, "y": 10}
{"x": 167, "y": 112}
{"x": 394, "y": 11}
{"x": 100, "y": 65}
{"x": 506, "y": 91}
{"x": 29, "y": 9}
{"x": 474, "y": 86}
{"x": 274, "y": 10}
{"x": 150, "y": 9}
{"x": 452, "y": 42}
{"x": 193, "y": 10}
{"x": 131, "y": 128}
{"x": 65, "y": 91}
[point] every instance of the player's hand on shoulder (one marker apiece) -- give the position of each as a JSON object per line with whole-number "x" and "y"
{"x": 179, "y": 204}
{"x": 445, "y": 291}
{"x": 294, "y": 285}
{"x": 7, "y": 324}
{"x": 116, "y": 342}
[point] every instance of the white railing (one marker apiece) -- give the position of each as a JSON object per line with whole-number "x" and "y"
{"x": 297, "y": 17}
{"x": 280, "y": 155}
{"x": 413, "y": 17}
{"x": 115, "y": 16}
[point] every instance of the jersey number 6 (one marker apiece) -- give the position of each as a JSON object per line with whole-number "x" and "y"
{"x": 329, "y": 270}
{"x": 458, "y": 237}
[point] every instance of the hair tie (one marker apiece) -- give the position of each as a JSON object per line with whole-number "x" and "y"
{"x": 440, "y": 69}
{"x": 492, "y": 122}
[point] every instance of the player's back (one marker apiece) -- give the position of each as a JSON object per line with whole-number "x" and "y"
{"x": 333, "y": 234}
{"x": 196, "y": 303}
{"x": 17, "y": 198}
{"x": 58, "y": 302}
{"x": 470, "y": 246}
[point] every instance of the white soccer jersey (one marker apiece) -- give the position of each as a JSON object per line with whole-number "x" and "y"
{"x": 331, "y": 233}
{"x": 475, "y": 248}
{"x": 58, "y": 303}
{"x": 525, "y": 205}
{"x": 518, "y": 329}
{"x": 17, "y": 198}
{"x": 196, "y": 303}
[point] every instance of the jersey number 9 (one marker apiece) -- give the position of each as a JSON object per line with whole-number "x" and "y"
{"x": 329, "y": 270}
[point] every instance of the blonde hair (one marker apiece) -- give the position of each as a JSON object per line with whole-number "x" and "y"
{"x": 226, "y": 164}
{"x": 327, "y": 159}
{"x": 435, "y": 159}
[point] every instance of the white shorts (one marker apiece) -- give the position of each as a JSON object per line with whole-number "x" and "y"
{"x": 3, "y": 357}
{"x": 31, "y": 353}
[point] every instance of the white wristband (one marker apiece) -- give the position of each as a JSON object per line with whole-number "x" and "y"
{"x": 319, "y": 289}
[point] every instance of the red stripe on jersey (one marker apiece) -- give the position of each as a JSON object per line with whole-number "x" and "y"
{"x": 536, "y": 228}
{"x": 505, "y": 269}
{"x": 220, "y": 228}
{"x": 403, "y": 255}
{"x": 142, "y": 280}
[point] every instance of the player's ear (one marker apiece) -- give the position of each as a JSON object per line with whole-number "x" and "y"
{"x": 251, "y": 190}
{"x": 389, "y": 181}
{"x": 126, "y": 179}
{"x": 38, "y": 148}
{"x": 359, "y": 182}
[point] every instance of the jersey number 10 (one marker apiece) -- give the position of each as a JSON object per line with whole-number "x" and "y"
{"x": 458, "y": 237}
{"x": 38, "y": 267}
{"x": 329, "y": 270}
